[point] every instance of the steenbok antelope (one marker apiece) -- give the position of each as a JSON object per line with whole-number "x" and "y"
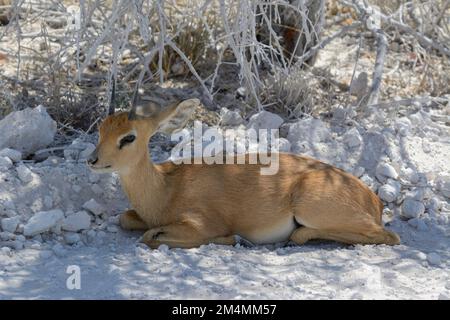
{"x": 188, "y": 205}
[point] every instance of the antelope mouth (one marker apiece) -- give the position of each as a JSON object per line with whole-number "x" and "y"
{"x": 100, "y": 169}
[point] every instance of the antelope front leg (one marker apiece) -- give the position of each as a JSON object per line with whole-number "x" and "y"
{"x": 129, "y": 220}
{"x": 181, "y": 236}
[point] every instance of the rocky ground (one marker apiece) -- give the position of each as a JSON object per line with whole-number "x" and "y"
{"x": 55, "y": 213}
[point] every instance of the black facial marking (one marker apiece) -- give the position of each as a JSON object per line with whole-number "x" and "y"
{"x": 126, "y": 140}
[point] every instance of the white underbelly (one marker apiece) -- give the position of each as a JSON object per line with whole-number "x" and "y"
{"x": 276, "y": 233}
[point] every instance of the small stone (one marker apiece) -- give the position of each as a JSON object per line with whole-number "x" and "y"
{"x": 358, "y": 172}
{"x": 412, "y": 208}
{"x": 443, "y": 185}
{"x": 265, "y": 120}
{"x": 390, "y": 191}
{"x": 76, "y": 188}
{"x": 5, "y": 236}
{"x": 163, "y": 248}
{"x": 89, "y": 148}
{"x": 284, "y": 145}
{"x": 230, "y": 118}
{"x": 6, "y": 251}
{"x": 411, "y": 175}
{"x": 433, "y": 259}
{"x": 241, "y": 92}
{"x": 421, "y": 256}
{"x": 403, "y": 126}
{"x": 10, "y": 224}
{"x": 45, "y": 254}
{"x": 94, "y": 207}
{"x": 5, "y": 163}
{"x": 12, "y": 154}
{"x": 385, "y": 171}
{"x": 71, "y": 237}
{"x": 59, "y": 250}
{"x": 24, "y": 173}
{"x": 42, "y": 221}
{"x": 96, "y": 189}
{"x": 48, "y": 202}
{"x": 112, "y": 228}
{"x": 434, "y": 204}
{"x": 352, "y": 138}
{"x": 77, "y": 221}
{"x": 94, "y": 177}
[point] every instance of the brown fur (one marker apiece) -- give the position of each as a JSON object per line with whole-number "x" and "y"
{"x": 190, "y": 204}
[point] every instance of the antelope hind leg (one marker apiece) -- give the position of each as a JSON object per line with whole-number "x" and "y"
{"x": 181, "y": 236}
{"x": 129, "y": 220}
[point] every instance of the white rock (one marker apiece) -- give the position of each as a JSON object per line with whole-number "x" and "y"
{"x": 78, "y": 221}
{"x": 265, "y": 120}
{"x": 443, "y": 185}
{"x": 385, "y": 171}
{"x": 390, "y": 191}
{"x": 112, "y": 228}
{"x": 89, "y": 148}
{"x": 12, "y": 154}
{"x": 94, "y": 177}
{"x": 10, "y": 224}
{"x": 45, "y": 254}
{"x": 230, "y": 118}
{"x": 411, "y": 175}
{"x": 28, "y": 130}
{"x": 403, "y": 126}
{"x": 43, "y": 221}
{"x": 358, "y": 171}
{"x": 24, "y": 173}
{"x": 94, "y": 207}
{"x": 417, "y": 194}
{"x": 412, "y": 208}
{"x": 5, "y": 236}
{"x": 352, "y": 138}
{"x": 434, "y": 259}
{"x": 71, "y": 237}
{"x": 310, "y": 130}
{"x": 421, "y": 256}
{"x": 58, "y": 250}
{"x": 48, "y": 202}
{"x": 434, "y": 204}
{"x": 97, "y": 189}
{"x": 5, "y": 163}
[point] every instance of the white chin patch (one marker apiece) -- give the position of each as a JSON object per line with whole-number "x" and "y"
{"x": 101, "y": 170}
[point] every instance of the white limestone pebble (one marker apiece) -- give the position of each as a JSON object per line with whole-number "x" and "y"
{"x": 24, "y": 173}
{"x": 94, "y": 207}
{"x": 230, "y": 118}
{"x": 71, "y": 237}
{"x": 59, "y": 250}
{"x": 5, "y": 163}
{"x": 352, "y": 138}
{"x": 284, "y": 145}
{"x": 12, "y": 154}
{"x": 45, "y": 254}
{"x": 27, "y": 130}
{"x": 390, "y": 191}
{"x": 434, "y": 259}
{"x": 80, "y": 220}
{"x": 265, "y": 120}
{"x": 385, "y": 171}
{"x": 412, "y": 208}
{"x": 42, "y": 221}
{"x": 112, "y": 228}
{"x": 10, "y": 224}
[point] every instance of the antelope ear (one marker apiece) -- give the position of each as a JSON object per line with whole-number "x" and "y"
{"x": 176, "y": 115}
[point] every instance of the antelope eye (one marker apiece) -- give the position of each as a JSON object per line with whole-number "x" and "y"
{"x": 126, "y": 140}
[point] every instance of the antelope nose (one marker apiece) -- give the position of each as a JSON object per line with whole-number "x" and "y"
{"x": 92, "y": 159}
